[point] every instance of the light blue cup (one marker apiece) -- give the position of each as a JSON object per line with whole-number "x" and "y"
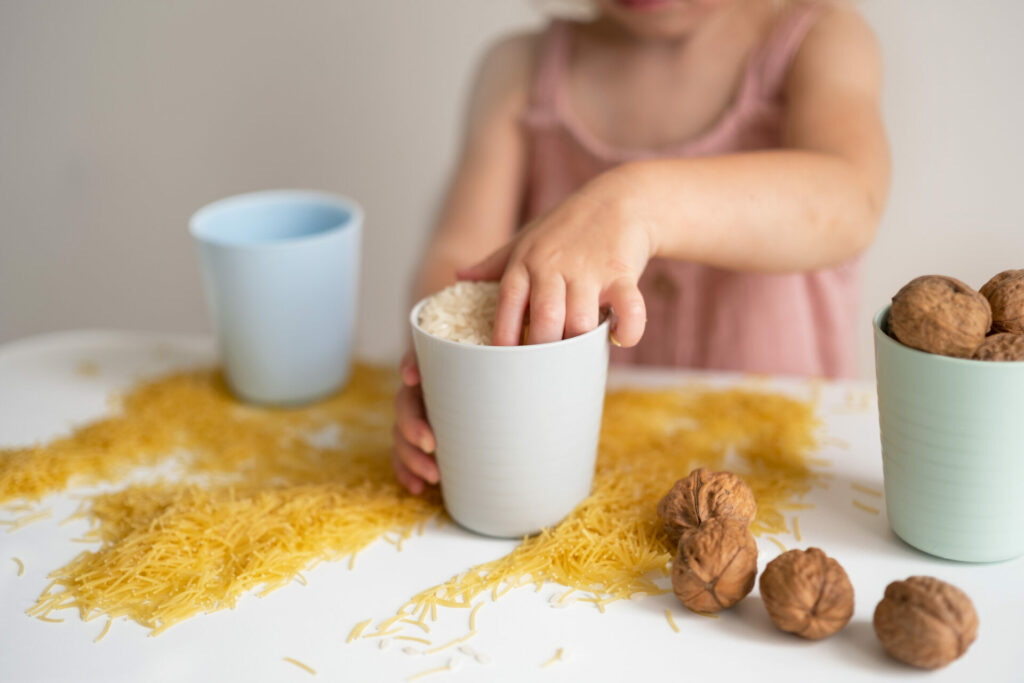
{"x": 952, "y": 450}
{"x": 281, "y": 275}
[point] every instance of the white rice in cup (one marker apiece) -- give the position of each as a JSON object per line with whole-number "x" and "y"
{"x": 463, "y": 312}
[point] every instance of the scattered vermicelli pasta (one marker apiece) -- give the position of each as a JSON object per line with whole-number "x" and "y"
{"x": 263, "y": 494}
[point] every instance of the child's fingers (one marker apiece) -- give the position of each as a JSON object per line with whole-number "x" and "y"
{"x": 404, "y": 475}
{"x": 547, "y": 311}
{"x": 409, "y": 369}
{"x": 630, "y": 313}
{"x": 411, "y": 419}
{"x": 490, "y": 269}
{"x": 513, "y": 295}
{"x": 581, "y": 308}
{"x": 417, "y": 462}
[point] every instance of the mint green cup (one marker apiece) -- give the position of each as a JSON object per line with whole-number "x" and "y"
{"x": 952, "y": 450}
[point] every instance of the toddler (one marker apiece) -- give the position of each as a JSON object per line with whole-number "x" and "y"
{"x": 710, "y": 170}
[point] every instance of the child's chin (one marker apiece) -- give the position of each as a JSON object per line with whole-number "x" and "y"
{"x": 658, "y": 30}
{"x": 657, "y": 19}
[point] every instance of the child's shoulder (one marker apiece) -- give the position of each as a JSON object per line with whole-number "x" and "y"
{"x": 506, "y": 70}
{"x": 839, "y": 23}
{"x": 514, "y": 45}
{"x": 512, "y": 54}
{"x": 840, "y": 45}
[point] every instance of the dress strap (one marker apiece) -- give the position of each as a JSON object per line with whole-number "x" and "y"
{"x": 784, "y": 41}
{"x": 549, "y": 73}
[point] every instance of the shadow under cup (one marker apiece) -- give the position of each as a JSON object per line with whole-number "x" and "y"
{"x": 281, "y": 274}
{"x": 517, "y": 427}
{"x": 952, "y": 450}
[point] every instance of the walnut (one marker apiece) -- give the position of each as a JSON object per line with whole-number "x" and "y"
{"x": 1001, "y": 346}
{"x": 807, "y": 593}
{"x": 940, "y": 315}
{"x": 715, "y": 566}
{"x": 703, "y": 495}
{"x": 925, "y": 622}
{"x": 1005, "y": 293}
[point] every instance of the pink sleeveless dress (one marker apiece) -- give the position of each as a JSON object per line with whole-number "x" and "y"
{"x": 700, "y": 316}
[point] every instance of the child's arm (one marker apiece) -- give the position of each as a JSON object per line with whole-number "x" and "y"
{"x": 813, "y": 204}
{"x": 479, "y": 214}
{"x": 481, "y": 207}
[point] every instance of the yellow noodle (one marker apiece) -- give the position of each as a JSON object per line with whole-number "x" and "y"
{"x": 866, "y": 489}
{"x": 597, "y": 601}
{"x": 671, "y": 620}
{"x": 428, "y": 672}
{"x": 556, "y": 658}
{"x": 472, "y": 616}
{"x": 389, "y": 622}
{"x": 299, "y": 664}
{"x": 413, "y": 638}
{"x": 103, "y": 633}
{"x": 450, "y": 603}
{"x": 22, "y": 522}
{"x": 866, "y": 508}
{"x": 447, "y": 645}
{"x": 420, "y": 624}
{"x": 21, "y": 565}
{"x": 796, "y": 529}
{"x": 779, "y": 543}
{"x": 382, "y": 634}
{"x": 357, "y": 630}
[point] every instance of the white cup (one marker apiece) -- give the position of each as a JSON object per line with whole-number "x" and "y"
{"x": 516, "y": 426}
{"x": 281, "y": 275}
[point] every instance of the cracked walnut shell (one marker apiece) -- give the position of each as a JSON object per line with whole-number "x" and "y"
{"x": 940, "y": 315}
{"x": 808, "y": 593}
{"x": 925, "y": 622}
{"x": 1003, "y": 346}
{"x": 715, "y": 566}
{"x": 1005, "y": 294}
{"x": 704, "y": 495}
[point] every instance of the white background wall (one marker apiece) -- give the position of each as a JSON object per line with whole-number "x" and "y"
{"x": 118, "y": 118}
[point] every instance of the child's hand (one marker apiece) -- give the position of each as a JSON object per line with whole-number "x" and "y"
{"x": 413, "y": 438}
{"x": 586, "y": 254}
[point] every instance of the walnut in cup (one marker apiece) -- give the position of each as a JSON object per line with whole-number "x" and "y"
{"x": 1005, "y": 294}
{"x": 1001, "y": 347}
{"x": 940, "y": 315}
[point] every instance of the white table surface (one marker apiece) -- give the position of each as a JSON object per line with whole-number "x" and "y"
{"x": 42, "y": 395}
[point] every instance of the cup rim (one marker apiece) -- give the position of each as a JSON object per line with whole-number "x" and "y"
{"x": 883, "y": 314}
{"x": 347, "y": 204}
{"x": 602, "y": 328}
